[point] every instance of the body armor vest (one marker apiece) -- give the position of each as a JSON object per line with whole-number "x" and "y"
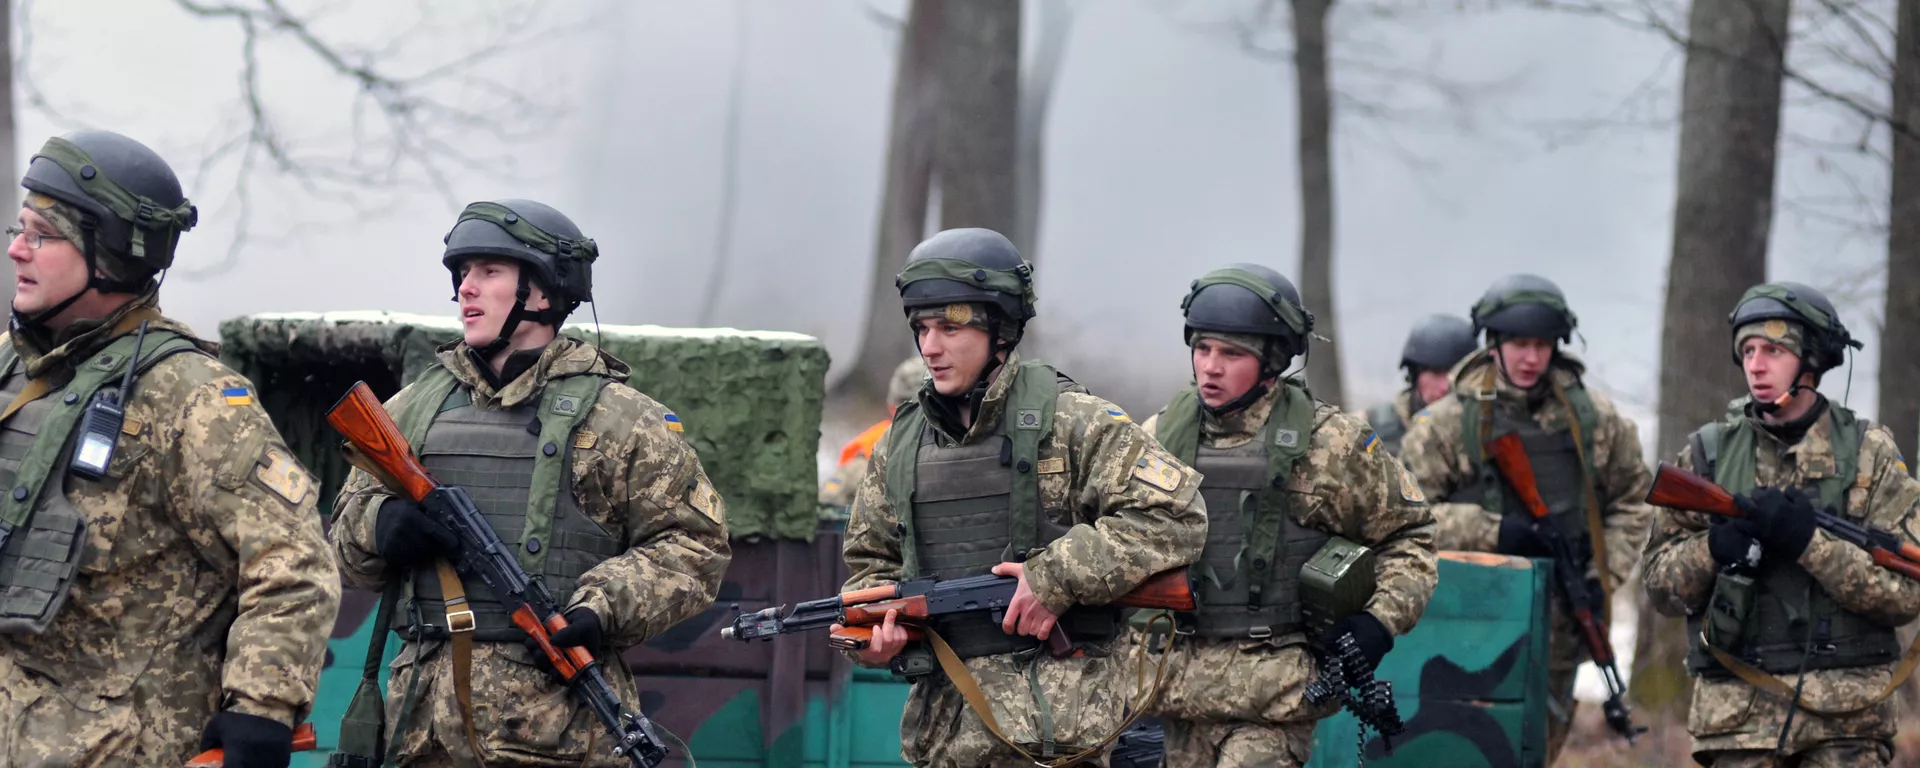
{"x": 969, "y": 507}
{"x": 1792, "y": 617}
{"x": 1557, "y": 473}
{"x": 1248, "y": 578}
{"x": 45, "y": 535}
{"x": 496, "y": 455}
{"x": 1387, "y": 425}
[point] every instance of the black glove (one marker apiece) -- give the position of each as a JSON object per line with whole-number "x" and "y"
{"x": 583, "y": 629}
{"x": 249, "y": 741}
{"x": 1728, "y": 541}
{"x": 1368, "y": 633}
{"x": 1518, "y": 537}
{"x": 406, "y": 535}
{"x": 1782, "y": 520}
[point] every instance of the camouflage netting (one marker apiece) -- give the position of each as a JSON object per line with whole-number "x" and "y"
{"x": 750, "y": 400}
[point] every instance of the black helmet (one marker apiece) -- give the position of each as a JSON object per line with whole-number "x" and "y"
{"x": 548, "y": 246}
{"x": 1251, "y": 299}
{"x": 129, "y": 199}
{"x": 969, "y": 266}
{"x": 1437, "y": 343}
{"x": 1826, "y": 338}
{"x": 1524, "y": 306}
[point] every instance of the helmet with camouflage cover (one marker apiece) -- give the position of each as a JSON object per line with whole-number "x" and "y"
{"x": 550, "y": 249}
{"x": 1437, "y": 342}
{"x": 1807, "y": 323}
{"x": 907, "y": 379}
{"x": 126, "y": 200}
{"x": 967, "y": 268}
{"x": 1524, "y": 307}
{"x": 1249, "y": 300}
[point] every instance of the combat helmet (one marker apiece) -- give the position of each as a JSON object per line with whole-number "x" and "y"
{"x": 971, "y": 266}
{"x": 1253, "y": 300}
{"x": 130, "y": 203}
{"x": 551, "y": 251}
{"x": 1827, "y": 338}
{"x": 1437, "y": 342}
{"x": 1526, "y": 307}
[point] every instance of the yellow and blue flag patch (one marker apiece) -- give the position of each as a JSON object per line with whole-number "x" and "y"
{"x": 673, "y": 423}
{"x": 237, "y": 396}
{"x": 1372, "y": 441}
{"x": 1117, "y": 415}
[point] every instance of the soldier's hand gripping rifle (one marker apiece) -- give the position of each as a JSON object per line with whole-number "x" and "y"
{"x": 921, "y": 600}
{"x": 1677, "y": 488}
{"x": 1510, "y": 455}
{"x": 374, "y": 444}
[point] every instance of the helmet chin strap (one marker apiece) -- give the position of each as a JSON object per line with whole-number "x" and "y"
{"x": 1269, "y": 372}
{"x": 549, "y": 316}
{"x": 1770, "y": 407}
{"x": 95, "y": 281}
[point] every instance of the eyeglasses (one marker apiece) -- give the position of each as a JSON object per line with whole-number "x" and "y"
{"x": 34, "y": 239}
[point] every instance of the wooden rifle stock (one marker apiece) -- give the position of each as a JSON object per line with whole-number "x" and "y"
{"x": 303, "y": 740}
{"x": 1676, "y": 488}
{"x": 1510, "y": 455}
{"x": 1167, "y": 590}
{"x": 376, "y": 445}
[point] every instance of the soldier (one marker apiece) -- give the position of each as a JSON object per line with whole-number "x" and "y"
{"x": 1241, "y": 663}
{"x": 1749, "y": 585}
{"x": 1585, "y": 456}
{"x": 627, "y": 533}
{"x": 838, "y": 491}
{"x": 1435, "y": 345}
{"x": 1004, "y": 465}
{"x": 167, "y": 587}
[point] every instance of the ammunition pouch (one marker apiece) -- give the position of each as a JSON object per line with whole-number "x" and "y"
{"x": 1729, "y": 608}
{"x": 1337, "y": 582}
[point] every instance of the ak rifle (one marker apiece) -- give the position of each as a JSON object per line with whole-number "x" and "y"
{"x": 374, "y": 444}
{"x": 1676, "y": 488}
{"x": 1510, "y": 455}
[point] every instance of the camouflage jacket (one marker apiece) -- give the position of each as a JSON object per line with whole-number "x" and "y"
{"x": 1403, "y": 410}
{"x": 1434, "y": 451}
{"x": 641, "y": 482}
{"x": 1730, "y": 714}
{"x": 206, "y": 582}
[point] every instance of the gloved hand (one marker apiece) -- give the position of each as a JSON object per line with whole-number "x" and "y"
{"x": 250, "y": 741}
{"x": 1783, "y": 521}
{"x": 583, "y": 629}
{"x": 1372, "y": 637}
{"x": 1517, "y": 537}
{"x": 1729, "y": 541}
{"x": 406, "y": 535}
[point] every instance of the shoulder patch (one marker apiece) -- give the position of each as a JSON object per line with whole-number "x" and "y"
{"x": 704, "y": 500}
{"x": 1422, "y": 416}
{"x": 585, "y": 438}
{"x": 1409, "y": 487}
{"x": 1156, "y": 472}
{"x": 1053, "y": 466}
{"x": 278, "y": 472}
{"x": 1117, "y": 414}
{"x": 1371, "y": 442}
{"x": 673, "y": 423}
{"x": 237, "y": 396}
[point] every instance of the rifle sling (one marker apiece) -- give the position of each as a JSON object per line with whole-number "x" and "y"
{"x": 1589, "y": 492}
{"x": 461, "y": 639}
{"x": 1760, "y": 679}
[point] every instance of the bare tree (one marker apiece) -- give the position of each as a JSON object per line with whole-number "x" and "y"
{"x": 1316, "y": 190}
{"x": 911, "y": 137}
{"x": 729, "y": 171}
{"x": 1053, "y": 20}
{"x": 8, "y": 170}
{"x": 980, "y": 77}
{"x": 1900, "y": 351}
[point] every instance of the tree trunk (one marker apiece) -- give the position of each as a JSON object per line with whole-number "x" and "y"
{"x": 8, "y": 146}
{"x": 1729, "y": 131}
{"x": 1316, "y": 193}
{"x": 1900, "y": 349}
{"x": 1036, "y": 94}
{"x": 980, "y": 77}
{"x": 911, "y": 137}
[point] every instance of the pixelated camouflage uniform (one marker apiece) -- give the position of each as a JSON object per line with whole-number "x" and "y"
{"x": 1732, "y": 722}
{"x": 205, "y": 584}
{"x": 1133, "y": 511}
{"x": 1390, "y": 419}
{"x": 1240, "y": 701}
{"x": 639, "y": 481}
{"x": 1433, "y": 449}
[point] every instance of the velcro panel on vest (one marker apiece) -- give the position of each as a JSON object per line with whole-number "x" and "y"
{"x": 564, "y": 405}
{"x": 40, "y": 561}
{"x": 962, "y": 497}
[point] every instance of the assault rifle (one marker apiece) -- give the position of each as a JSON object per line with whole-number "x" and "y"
{"x": 374, "y": 444}
{"x": 1677, "y": 488}
{"x": 1344, "y": 674}
{"x": 922, "y": 600}
{"x": 303, "y": 740}
{"x": 1510, "y": 455}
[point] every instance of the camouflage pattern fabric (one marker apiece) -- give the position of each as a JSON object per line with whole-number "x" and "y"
{"x": 1134, "y": 511}
{"x": 637, "y": 479}
{"x": 1433, "y": 449}
{"x": 206, "y": 581}
{"x": 907, "y": 379}
{"x": 1730, "y": 714}
{"x": 1241, "y": 701}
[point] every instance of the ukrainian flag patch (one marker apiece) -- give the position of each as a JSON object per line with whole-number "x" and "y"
{"x": 1372, "y": 442}
{"x": 673, "y": 423}
{"x": 237, "y": 396}
{"x": 1117, "y": 415}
